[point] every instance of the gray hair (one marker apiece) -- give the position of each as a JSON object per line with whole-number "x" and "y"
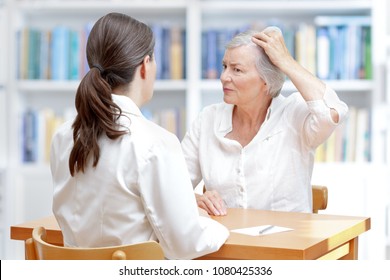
{"x": 272, "y": 75}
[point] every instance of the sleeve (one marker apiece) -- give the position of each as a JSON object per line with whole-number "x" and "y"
{"x": 190, "y": 147}
{"x": 171, "y": 208}
{"x": 317, "y": 124}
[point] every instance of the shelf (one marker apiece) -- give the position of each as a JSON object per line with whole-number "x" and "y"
{"x": 276, "y": 8}
{"x": 337, "y": 85}
{"x": 3, "y": 31}
{"x": 39, "y": 86}
{"x": 156, "y": 7}
{"x": 35, "y": 169}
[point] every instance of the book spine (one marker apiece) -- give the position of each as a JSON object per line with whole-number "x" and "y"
{"x": 176, "y": 54}
{"x": 74, "y": 55}
{"x": 158, "y": 49}
{"x": 60, "y": 53}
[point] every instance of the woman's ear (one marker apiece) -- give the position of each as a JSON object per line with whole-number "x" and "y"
{"x": 144, "y": 66}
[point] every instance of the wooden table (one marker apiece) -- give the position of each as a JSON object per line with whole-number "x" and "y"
{"x": 314, "y": 236}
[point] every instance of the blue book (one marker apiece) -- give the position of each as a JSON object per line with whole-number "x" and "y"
{"x": 184, "y": 44}
{"x": 74, "y": 55}
{"x": 33, "y": 54}
{"x": 158, "y": 49}
{"x": 204, "y": 55}
{"x": 348, "y": 45}
{"x": 223, "y": 36}
{"x": 29, "y": 136}
{"x": 343, "y": 70}
{"x": 84, "y": 68}
{"x": 336, "y": 52}
{"x": 211, "y": 68}
{"x": 60, "y": 53}
{"x": 166, "y": 53}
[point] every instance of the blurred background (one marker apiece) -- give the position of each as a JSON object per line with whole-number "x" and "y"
{"x": 344, "y": 42}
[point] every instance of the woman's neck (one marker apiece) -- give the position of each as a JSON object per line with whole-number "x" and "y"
{"x": 246, "y": 122}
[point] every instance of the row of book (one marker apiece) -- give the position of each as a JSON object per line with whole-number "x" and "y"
{"x": 332, "y": 47}
{"x": 172, "y": 119}
{"x": 351, "y": 141}
{"x": 59, "y": 53}
{"x": 38, "y": 127}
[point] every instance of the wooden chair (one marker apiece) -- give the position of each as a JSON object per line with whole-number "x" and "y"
{"x": 38, "y": 249}
{"x": 320, "y": 198}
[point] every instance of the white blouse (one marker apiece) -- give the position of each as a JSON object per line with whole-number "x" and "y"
{"x": 140, "y": 190}
{"x": 273, "y": 172}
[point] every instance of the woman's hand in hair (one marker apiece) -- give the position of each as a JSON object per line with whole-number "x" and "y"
{"x": 271, "y": 40}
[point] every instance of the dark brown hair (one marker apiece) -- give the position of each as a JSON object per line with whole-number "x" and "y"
{"x": 116, "y": 46}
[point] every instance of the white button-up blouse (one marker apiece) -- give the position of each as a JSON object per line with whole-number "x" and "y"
{"x": 273, "y": 171}
{"x": 140, "y": 190}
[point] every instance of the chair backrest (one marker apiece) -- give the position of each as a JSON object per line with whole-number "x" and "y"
{"x": 38, "y": 249}
{"x": 320, "y": 198}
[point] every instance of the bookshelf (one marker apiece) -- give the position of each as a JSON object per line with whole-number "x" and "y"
{"x": 184, "y": 95}
{"x": 3, "y": 126}
{"x": 3, "y": 21}
{"x": 385, "y": 125}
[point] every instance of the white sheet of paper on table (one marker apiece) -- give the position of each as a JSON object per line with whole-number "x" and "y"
{"x": 261, "y": 230}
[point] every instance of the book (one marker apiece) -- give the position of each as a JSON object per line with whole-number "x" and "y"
{"x": 211, "y": 51}
{"x": 172, "y": 119}
{"x": 323, "y": 53}
{"x": 350, "y": 139}
{"x": 223, "y": 37}
{"x": 204, "y": 55}
{"x": 176, "y": 54}
{"x": 74, "y": 55}
{"x": 84, "y": 34}
{"x": 33, "y": 54}
{"x": 305, "y": 43}
{"x": 38, "y": 127}
{"x": 184, "y": 44}
{"x": 367, "y": 52}
{"x": 29, "y": 136}
{"x": 60, "y": 53}
{"x": 45, "y": 55}
{"x": 166, "y": 54}
{"x": 350, "y": 42}
{"x": 362, "y": 135}
{"x": 339, "y": 135}
{"x": 158, "y": 49}
{"x": 23, "y": 49}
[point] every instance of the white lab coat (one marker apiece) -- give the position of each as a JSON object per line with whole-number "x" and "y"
{"x": 140, "y": 190}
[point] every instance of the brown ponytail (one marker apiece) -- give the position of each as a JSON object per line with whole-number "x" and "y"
{"x": 116, "y": 46}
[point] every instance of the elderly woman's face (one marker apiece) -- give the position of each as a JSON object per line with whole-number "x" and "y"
{"x": 240, "y": 79}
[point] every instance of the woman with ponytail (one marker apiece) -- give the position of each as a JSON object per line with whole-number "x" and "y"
{"x": 119, "y": 178}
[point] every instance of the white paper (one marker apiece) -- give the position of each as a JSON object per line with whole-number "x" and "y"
{"x": 261, "y": 230}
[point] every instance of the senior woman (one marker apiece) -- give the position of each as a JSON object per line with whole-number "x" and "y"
{"x": 256, "y": 149}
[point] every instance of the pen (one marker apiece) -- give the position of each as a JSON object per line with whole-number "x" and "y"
{"x": 264, "y": 230}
